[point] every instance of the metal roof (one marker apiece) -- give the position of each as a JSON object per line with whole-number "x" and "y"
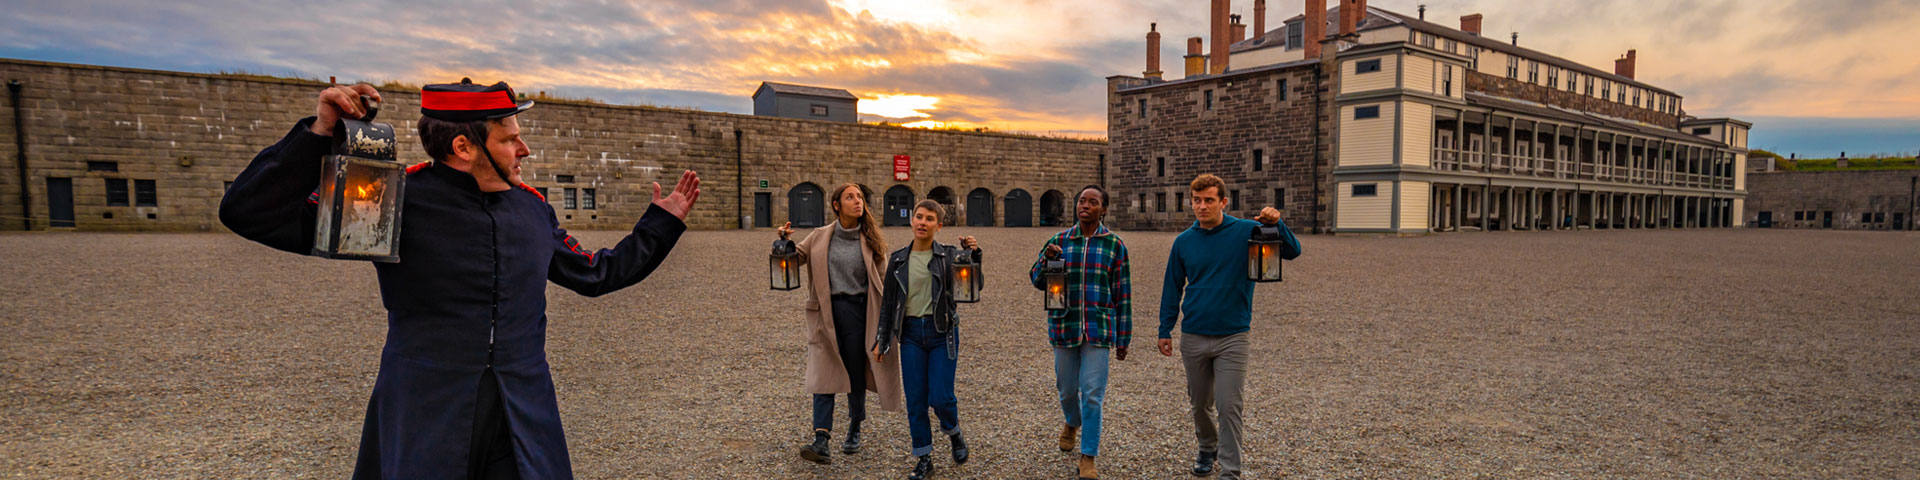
{"x": 792, "y": 89}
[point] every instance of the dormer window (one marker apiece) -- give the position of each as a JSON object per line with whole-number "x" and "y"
{"x": 1293, "y": 35}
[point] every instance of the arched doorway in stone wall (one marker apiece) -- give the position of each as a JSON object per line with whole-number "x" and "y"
{"x": 806, "y": 206}
{"x": 980, "y": 208}
{"x": 1053, "y": 208}
{"x": 1019, "y": 208}
{"x": 897, "y": 207}
{"x": 944, "y": 196}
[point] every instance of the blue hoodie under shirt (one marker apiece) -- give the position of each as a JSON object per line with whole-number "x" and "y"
{"x": 1207, "y": 281}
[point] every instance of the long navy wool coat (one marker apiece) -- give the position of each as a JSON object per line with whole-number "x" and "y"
{"x": 468, "y": 294}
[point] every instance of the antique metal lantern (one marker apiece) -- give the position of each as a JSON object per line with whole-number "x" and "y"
{"x": 1054, "y": 273}
{"x": 361, "y": 190}
{"x": 783, "y": 266}
{"x": 966, "y": 277}
{"x": 1263, "y": 253}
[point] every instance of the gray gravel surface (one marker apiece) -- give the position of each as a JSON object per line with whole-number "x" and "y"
{"x": 1691, "y": 354}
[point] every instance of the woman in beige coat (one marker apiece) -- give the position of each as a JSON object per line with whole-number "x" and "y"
{"x": 844, "y": 261}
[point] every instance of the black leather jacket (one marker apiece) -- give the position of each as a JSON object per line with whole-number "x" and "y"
{"x": 893, "y": 296}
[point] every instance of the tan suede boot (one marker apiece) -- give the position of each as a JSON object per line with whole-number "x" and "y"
{"x": 1086, "y": 469}
{"x": 1067, "y": 440}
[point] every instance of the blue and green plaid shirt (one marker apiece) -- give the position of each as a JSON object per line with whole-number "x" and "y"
{"x": 1099, "y": 294}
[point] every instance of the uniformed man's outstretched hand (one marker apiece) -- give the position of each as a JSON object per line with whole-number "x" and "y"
{"x": 684, "y": 194}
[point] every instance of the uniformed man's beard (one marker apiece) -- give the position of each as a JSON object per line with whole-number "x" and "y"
{"x": 497, "y": 169}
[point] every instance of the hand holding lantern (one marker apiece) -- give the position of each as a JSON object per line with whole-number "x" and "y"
{"x": 361, "y": 190}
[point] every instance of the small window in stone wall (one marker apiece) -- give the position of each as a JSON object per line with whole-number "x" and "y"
{"x": 1366, "y": 190}
{"x": 1160, "y": 166}
{"x": 103, "y": 166}
{"x": 572, "y": 198}
{"x": 1160, "y": 202}
{"x": 117, "y": 192}
{"x": 563, "y": 178}
{"x": 1281, "y": 89}
{"x": 545, "y": 195}
{"x": 1280, "y": 198}
{"x": 1143, "y": 108}
{"x": 1366, "y": 112}
{"x": 1143, "y": 203}
{"x": 1879, "y": 217}
{"x": 146, "y": 193}
{"x": 587, "y": 198}
{"x": 1259, "y": 159}
{"x": 1180, "y": 202}
{"x": 1209, "y": 99}
{"x": 1799, "y": 216}
{"x": 1367, "y": 66}
{"x": 1235, "y": 206}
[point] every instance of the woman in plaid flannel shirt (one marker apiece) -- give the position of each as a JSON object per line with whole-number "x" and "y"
{"x": 1098, "y": 319}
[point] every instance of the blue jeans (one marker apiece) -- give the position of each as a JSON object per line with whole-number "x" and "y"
{"x": 927, "y": 374}
{"x": 1081, "y": 375}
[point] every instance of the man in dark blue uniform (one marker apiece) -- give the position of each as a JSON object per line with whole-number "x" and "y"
{"x": 464, "y": 389}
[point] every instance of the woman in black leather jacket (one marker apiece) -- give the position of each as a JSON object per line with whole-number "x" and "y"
{"x": 917, "y": 308}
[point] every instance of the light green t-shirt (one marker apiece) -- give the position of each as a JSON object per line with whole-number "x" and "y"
{"x": 919, "y": 284}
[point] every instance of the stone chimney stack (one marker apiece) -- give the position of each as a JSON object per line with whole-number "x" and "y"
{"x": 1217, "y": 61}
{"x": 1470, "y": 24}
{"x": 1623, "y": 66}
{"x": 1351, "y": 13}
{"x": 1423, "y": 11}
{"x": 1316, "y": 27}
{"x": 1153, "y": 52}
{"x": 1239, "y": 30}
{"x": 1259, "y": 18}
{"x": 1196, "y": 61}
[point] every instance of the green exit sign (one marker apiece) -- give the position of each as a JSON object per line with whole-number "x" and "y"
{"x": 763, "y": 184}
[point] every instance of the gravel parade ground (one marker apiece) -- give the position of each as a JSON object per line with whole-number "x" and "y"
{"x": 1608, "y": 354}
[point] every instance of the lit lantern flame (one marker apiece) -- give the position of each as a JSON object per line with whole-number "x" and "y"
{"x": 364, "y": 193}
{"x": 963, "y": 274}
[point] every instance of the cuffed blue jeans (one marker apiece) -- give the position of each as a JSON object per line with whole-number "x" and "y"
{"x": 1080, "y": 373}
{"x": 927, "y": 375}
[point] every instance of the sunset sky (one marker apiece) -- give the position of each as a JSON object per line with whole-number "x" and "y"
{"x": 1815, "y": 76}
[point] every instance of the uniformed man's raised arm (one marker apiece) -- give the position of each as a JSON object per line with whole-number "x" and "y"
{"x": 271, "y": 201}
{"x": 606, "y": 270}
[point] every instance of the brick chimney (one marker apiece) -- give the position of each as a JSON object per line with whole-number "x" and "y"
{"x": 1470, "y": 24}
{"x": 1239, "y": 29}
{"x": 1153, "y": 52}
{"x": 1217, "y": 61}
{"x": 1623, "y": 66}
{"x": 1351, "y": 12}
{"x": 1316, "y": 27}
{"x": 1196, "y": 61}
{"x": 1259, "y": 18}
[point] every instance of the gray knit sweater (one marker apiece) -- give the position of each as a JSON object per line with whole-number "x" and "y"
{"x": 846, "y": 272}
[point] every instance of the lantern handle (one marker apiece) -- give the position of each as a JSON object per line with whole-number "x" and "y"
{"x": 371, "y": 106}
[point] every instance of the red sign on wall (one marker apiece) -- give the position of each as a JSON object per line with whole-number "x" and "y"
{"x": 902, "y": 166}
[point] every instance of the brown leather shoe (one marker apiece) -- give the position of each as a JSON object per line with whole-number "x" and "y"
{"x": 1067, "y": 440}
{"x": 1087, "y": 471}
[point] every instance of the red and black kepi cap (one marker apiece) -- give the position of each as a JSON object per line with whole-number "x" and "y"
{"x": 467, "y": 102}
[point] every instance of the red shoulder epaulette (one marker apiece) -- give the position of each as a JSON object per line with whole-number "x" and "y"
{"x": 418, "y": 167}
{"x": 535, "y": 193}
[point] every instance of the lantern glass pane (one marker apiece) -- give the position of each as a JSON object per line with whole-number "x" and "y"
{"x": 369, "y": 207}
{"x": 966, "y": 280}
{"x": 1056, "y": 297}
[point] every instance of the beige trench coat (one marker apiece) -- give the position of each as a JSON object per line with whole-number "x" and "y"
{"x": 825, "y": 373}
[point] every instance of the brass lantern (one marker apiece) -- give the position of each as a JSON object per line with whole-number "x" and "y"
{"x": 361, "y": 189}
{"x": 966, "y": 277}
{"x": 1054, "y": 273}
{"x": 783, "y": 266}
{"x": 1263, "y": 253}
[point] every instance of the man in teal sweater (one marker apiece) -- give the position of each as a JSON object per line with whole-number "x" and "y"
{"x": 1207, "y": 283}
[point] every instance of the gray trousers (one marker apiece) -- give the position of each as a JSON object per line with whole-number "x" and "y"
{"x": 1216, "y": 374}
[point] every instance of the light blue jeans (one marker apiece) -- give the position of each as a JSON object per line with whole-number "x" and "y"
{"x": 1081, "y": 375}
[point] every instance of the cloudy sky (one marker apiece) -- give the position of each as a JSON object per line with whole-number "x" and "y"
{"x": 1817, "y": 76}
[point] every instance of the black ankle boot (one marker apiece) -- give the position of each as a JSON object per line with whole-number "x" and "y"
{"x": 959, "y": 449}
{"x": 923, "y": 469}
{"x": 1203, "y": 464}
{"x": 852, "y": 444}
{"x": 817, "y": 451}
